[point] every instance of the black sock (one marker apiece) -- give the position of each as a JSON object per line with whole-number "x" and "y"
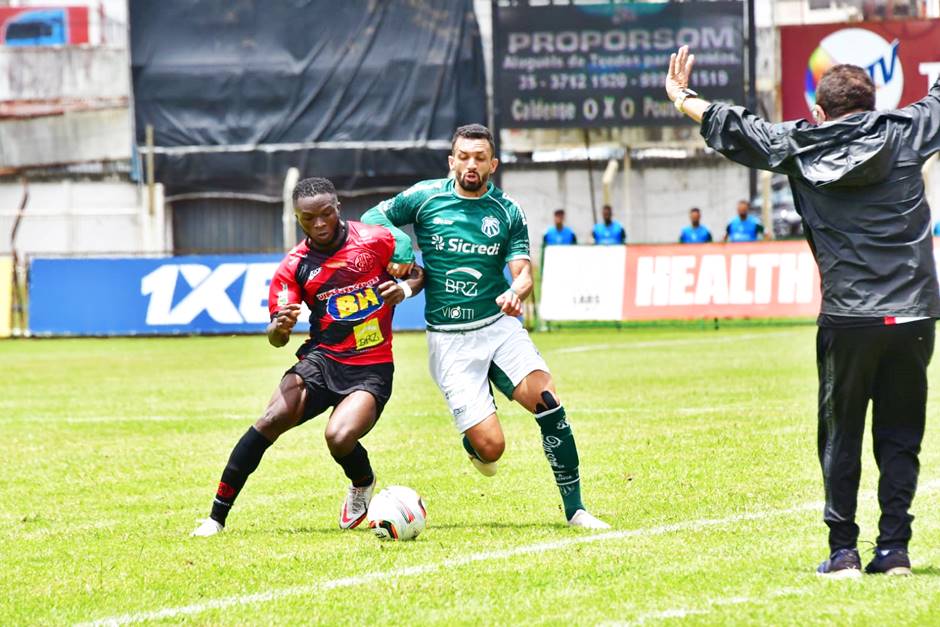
{"x": 242, "y": 462}
{"x": 357, "y": 467}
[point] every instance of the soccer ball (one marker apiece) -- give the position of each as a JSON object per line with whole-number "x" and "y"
{"x": 397, "y": 513}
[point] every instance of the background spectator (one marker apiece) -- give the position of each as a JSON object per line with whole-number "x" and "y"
{"x": 695, "y": 233}
{"x": 609, "y": 231}
{"x": 559, "y": 234}
{"x": 744, "y": 227}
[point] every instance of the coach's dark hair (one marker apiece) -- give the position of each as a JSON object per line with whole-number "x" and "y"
{"x": 314, "y": 186}
{"x": 845, "y": 88}
{"x": 474, "y": 131}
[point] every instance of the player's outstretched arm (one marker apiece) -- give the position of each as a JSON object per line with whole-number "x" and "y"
{"x": 283, "y": 323}
{"x": 404, "y": 253}
{"x": 677, "y": 85}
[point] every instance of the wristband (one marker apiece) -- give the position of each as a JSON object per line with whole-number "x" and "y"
{"x": 683, "y": 95}
{"x": 406, "y": 289}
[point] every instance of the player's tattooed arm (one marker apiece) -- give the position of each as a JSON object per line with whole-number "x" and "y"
{"x": 510, "y": 301}
{"x": 393, "y": 292}
{"x": 283, "y": 323}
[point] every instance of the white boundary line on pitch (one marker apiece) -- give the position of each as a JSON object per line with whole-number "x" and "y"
{"x": 541, "y": 547}
{"x": 346, "y": 582}
{"x": 724, "y": 339}
{"x": 710, "y": 606}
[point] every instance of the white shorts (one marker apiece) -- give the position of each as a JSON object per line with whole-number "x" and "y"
{"x": 460, "y": 365}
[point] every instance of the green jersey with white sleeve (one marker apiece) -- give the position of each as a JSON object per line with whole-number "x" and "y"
{"x": 465, "y": 243}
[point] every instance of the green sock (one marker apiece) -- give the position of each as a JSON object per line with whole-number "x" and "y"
{"x": 562, "y": 454}
{"x": 469, "y": 448}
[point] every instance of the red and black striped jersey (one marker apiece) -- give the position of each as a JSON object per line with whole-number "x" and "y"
{"x": 349, "y": 321}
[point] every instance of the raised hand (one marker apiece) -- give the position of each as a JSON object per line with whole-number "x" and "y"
{"x": 680, "y": 69}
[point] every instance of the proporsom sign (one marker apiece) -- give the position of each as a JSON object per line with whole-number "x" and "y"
{"x": 594, "y": 65}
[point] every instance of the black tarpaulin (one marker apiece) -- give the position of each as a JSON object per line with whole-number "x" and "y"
{"x": 365, "y": 92}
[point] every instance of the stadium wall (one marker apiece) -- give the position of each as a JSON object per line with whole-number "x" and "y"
{"x": 77, "y": 218}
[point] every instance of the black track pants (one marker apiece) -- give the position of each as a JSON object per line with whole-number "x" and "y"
{"x": 887, "y": 364}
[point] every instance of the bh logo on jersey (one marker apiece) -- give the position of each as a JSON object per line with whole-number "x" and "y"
{"x": 490, "y": 226}
{"x": 357, "y": 305}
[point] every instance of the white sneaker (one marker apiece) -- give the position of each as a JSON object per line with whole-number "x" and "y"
{"x": 586, "y": 521}
{"x": 355, "y": 506}
{"x": 206, "y": 528}
{"x": 487, "y": 469}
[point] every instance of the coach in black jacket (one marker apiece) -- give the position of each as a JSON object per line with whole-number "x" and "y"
{"x": 857, "y": 183}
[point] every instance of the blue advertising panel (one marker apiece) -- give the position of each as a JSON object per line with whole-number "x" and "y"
{"x": 171, "y": 295}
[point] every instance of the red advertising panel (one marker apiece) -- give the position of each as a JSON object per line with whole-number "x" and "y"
{"x": 764, "y": 279}
{"x": 43, "y": 26}
{"x": 902, "y": 57}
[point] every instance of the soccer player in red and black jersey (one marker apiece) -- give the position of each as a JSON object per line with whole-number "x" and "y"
{"x": 341, "y": 272}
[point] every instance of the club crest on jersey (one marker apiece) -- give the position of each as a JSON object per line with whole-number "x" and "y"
{"x": 490, "y": 226}
{"x": 353, "y": 306}
{"x": 364, "y": 261}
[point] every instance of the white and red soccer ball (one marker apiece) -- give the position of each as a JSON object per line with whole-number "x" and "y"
{"x": 397, "y": 513}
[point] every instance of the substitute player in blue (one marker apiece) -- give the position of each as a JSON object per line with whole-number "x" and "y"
{"x": 559, "y": 234}
{"x": 609, "y": 231}
{"x": 744, "y": 227}
{"x": 695, "y": 233}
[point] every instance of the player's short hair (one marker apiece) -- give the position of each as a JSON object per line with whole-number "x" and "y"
{"x": 559, "y": 212}
{"x": 844, "y": 88}
{"x": 473, "y": 131}
{"x": 313, "y": 186}
{"x": 696, "y": 210}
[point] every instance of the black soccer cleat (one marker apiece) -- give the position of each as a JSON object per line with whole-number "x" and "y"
{"x": 842, "y": 564}
{"x": 889, "y": 562}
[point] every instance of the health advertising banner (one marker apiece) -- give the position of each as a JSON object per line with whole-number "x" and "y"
{"x": 6, "y": 296}
{"x": 901, "y": 56}
{"x": 602, "y": 64}
{"x": 767, "y": 279}
{"x": 175, "y": 295}
{"x": 677, "y": 282}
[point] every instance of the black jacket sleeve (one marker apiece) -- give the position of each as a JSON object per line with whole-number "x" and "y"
{"x": 746, "y": 138}
{"x": 925, "y": 127}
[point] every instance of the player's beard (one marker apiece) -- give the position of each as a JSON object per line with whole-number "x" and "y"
{"x": 474, "y": 185}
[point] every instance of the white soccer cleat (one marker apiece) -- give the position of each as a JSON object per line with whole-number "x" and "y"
{"x": 487, "y": 469}
{"x": 586, "y": 521}
{"x": 355, "y": 506}
{"x": 206, "y": 528}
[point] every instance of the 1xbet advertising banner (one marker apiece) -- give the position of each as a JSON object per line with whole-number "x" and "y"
{"x": 601, "y": 64}
{"x": 177, "y": 295}
{"x": 902, "y": 58}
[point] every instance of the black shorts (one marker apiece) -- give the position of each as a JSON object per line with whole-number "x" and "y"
{"x": 328, "y": 382}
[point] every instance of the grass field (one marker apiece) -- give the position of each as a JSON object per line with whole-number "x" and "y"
{"x": 698, "y": 446}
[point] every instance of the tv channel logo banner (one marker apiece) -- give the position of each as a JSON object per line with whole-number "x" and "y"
{"x": 902, "y": 58}
{"x": 176, "y": 295}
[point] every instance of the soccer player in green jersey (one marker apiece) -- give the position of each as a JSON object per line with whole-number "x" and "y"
{"x": 468, "y": 230}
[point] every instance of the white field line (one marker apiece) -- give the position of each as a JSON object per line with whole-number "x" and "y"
{"x": 711, "y": 605}
{"x": 541, "y": 547}
{"x": 346, "y": 582}
{"x": 724, "y": 339}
